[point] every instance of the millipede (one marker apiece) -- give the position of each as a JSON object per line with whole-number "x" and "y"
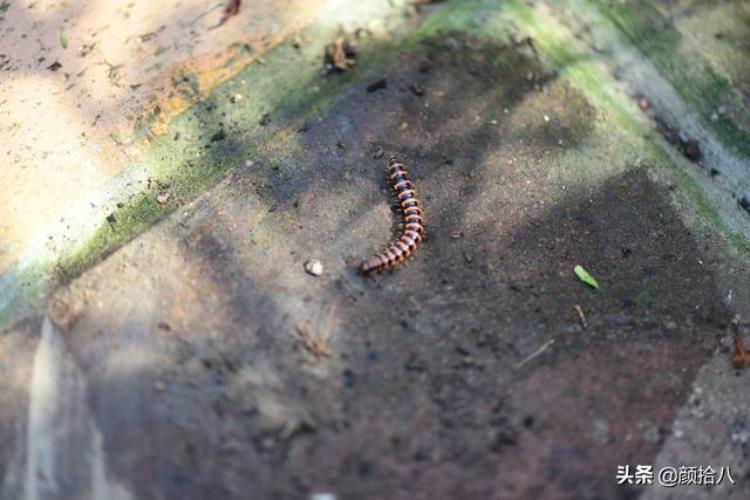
{"x": 412, "y": 233}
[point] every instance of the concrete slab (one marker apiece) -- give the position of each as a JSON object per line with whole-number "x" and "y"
{"x": 80, "y": 78}
{"x": 200, "y": 360}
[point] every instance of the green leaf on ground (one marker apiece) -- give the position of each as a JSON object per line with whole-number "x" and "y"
{"x": 584, "y": 276}
{"x": 64, "y": 39}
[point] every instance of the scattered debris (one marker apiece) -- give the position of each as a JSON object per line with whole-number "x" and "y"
{"x": 231, "y": 10}
{"x": 692, "y": 150}
{"x": 65, "y": 313}
{"x": 316, "y": 345}
{"x": 340, "y": 55}
{"x": 296, "y": 427}
{"x": 314, "y": 267}
{"x": 350, "y": 378}
{"x": 54, "y": 66}
{"x": 219, "y": 136}
{"x": 741, "y": 354}
{"x": 379, "y": 85}
{"x": 64, "y": 39}
{"x": 403, "y": 126}
{"x": 744, "y": 202}
{"x": 536, "y": 353}
{"x": 298, "y": 39}
{"x": 147, "y": 37}
{"x": 416, "y": 89}
{"x": 113, "y": 72}
{"x": 585, "y": 277}
{"x": 688, "y": 146}
{"x": 163, "y": 197}
{"x": 265, "y": 119}
{"x": 581, "y": 316}
{"x": 86, "y": 49}
{"x": 160, "y": 386}
{"x": 378, "y": 153}
{"x": 503, "y": 437}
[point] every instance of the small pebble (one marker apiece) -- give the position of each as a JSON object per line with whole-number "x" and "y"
{"x": 314, "y": 267}
{"x": 322, "y": 496}
{"x": 163, "y": 197}
{"x": 600, "y": 431}
{"x": 692, "y": 150}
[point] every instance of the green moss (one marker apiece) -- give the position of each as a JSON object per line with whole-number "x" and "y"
{"x": 297, "y": 90}
{"x": 219, "y": 133}
{"x": 644, "y": 24}
{"x": 212, "y": 137}
{"x": 576, "y": 66}
{"x": 119, "y": 227}
{"x": 600, "y": 89}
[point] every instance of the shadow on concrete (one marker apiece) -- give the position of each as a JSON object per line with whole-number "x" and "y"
{"x": 434, "y": 385}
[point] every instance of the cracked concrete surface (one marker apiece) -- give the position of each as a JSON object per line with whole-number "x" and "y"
{"x": 198, "y": 359}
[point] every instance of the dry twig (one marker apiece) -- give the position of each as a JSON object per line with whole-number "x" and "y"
{"x": 581, "y": 316}
{"x": 340, "y": 55}
{"x": 231, "y": 10}
{"x": 536, "y": 353}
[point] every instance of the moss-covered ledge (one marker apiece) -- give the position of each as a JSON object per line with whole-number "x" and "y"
{"x": 265, "y": 104}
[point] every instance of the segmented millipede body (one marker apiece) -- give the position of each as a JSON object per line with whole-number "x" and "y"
{"x": 413, "y": 223}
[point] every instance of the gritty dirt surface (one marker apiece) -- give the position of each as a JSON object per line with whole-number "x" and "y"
{"x": 466, "y": 372}
{"x": 79, "y": 78}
